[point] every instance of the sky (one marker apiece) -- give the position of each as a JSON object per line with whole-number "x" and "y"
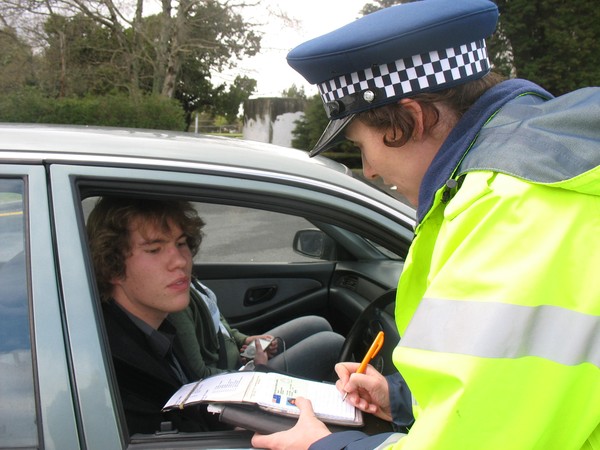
{"x": 312, "y": 18}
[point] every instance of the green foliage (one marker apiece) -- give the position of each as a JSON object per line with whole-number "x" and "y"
{"x": 221, "y": 100}
{"x": 229, "y": 102}
{"x": 310, "y": 127}
{"x": 229, "y": 37}
{"x": 554, "y": 42}
{"x": 24, "y": 105}
{"x": 217, "y": 34}
{"x": 294, "y": 92}
{"x": 16, "y": 62}
{"x": 103, "y": 50}
{"x": 500, "y": 52}
{"x": 80, "y": 58}
{"x": 120, "y": 110}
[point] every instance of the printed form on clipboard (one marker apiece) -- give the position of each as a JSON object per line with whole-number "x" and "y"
{"x": 271, "y": 391}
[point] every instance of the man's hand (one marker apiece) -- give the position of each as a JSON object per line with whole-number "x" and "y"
{"x": 307, "y": 430}
{"x": 369, "y": 392}
{"x": 271, "y": 350}
{"x": 261, "y": 356}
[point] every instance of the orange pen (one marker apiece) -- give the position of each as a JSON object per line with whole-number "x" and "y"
{"x": 372, "y": 353}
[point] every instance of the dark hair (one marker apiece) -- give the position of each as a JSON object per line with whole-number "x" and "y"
{"x": 108, "y": 229}
{"x": 394, "y": 117}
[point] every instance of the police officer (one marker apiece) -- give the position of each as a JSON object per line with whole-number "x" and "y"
{"x": 499, "y": 301}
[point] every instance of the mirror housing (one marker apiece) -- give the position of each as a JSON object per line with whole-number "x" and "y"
{"x": 313, "y": 243}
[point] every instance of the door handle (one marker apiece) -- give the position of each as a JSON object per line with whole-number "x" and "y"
{"x": 260, "y": 294}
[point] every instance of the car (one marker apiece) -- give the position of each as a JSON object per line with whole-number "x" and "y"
{"x": 286, "y": 235}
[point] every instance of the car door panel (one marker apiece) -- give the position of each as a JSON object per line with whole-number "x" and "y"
{"x": 257, "y": 297}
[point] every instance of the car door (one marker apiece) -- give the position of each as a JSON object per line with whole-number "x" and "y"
{"x": 100, "y": 417}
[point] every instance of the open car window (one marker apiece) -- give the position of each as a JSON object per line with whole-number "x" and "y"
{"x": 242, "y": 234}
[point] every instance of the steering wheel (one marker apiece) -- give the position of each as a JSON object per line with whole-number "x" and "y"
{"x": 370, "y": 322}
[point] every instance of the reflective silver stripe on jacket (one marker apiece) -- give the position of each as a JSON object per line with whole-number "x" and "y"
{"x": 392, "y": 439}
{"x": 500, "y": 330}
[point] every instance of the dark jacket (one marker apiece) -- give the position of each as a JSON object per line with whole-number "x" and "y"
{"x": 145, "y": 380}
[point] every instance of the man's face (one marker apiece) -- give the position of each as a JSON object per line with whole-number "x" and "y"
{"x": 157, "y": 272}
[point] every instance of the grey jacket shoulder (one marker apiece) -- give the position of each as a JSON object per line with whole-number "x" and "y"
{"x": 542, "y": 141}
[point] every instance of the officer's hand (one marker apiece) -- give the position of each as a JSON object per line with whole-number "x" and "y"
{"x": 307, "y": 430}
{"x": 369, "y": 392}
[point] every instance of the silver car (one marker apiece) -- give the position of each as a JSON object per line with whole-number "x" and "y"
{"x": 286, "y": 236}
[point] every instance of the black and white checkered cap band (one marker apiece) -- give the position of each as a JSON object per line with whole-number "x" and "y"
{"x": 425, "y": 72}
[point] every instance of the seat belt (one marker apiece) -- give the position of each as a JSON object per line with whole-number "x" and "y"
{"x": 222, "y": 364}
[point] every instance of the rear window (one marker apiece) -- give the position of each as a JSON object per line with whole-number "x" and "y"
{"x": 18, "y": 427}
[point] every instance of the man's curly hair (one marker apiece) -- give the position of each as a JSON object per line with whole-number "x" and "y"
{"x": 108, "y": 229}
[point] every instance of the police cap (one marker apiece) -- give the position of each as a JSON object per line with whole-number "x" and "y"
{"x": 397, "y": 52}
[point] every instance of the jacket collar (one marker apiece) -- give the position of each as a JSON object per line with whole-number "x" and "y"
{"x": 464, "y": 133}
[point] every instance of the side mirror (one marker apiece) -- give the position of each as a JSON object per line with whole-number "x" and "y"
{"x": 315, "y": 244}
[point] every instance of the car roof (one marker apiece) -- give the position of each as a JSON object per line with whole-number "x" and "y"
{"x": 94, "y": 143}
{"x": 72, "y": 144}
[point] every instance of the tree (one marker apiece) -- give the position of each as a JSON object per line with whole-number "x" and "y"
{"x": 97, "y": 47}
{"x": 228, "y": 104}
{"x": 500, "y": 52}
{"x": 79, "y": 58}
{"x": 16, "y": 62}
{"x": 208, "y": 31}
{"x": 310, "y": 127}
{"x": 147, "y": 52}
{"x": 196, "y": 93}
{"x": 554, "y": 43}
{"x": 294, "y": 92}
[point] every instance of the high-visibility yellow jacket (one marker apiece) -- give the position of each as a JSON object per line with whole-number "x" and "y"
{"x": 499, "y": 301}
{"x": 498, "y": 304}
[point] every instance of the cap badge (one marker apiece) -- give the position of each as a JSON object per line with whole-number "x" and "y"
{"x": 369, "y": 96}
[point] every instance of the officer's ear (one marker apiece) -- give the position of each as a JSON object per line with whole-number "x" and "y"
{"x": 416, "y": 111}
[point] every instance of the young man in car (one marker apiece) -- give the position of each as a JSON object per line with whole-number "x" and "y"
{"x": 142, "y": 253}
